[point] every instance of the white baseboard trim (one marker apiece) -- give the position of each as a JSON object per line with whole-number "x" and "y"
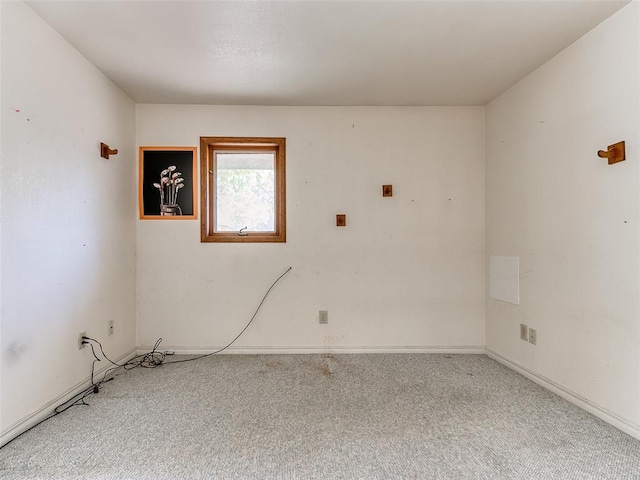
{"x": 465, "y": 349}
{"x": 33, "y": 418}
{"x": 620, "y": 423}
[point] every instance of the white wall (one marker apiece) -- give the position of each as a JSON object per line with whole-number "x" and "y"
{"x": 572, "y": 219}
{"x": 68, "y": 216}
{"x": 407, "y": 271}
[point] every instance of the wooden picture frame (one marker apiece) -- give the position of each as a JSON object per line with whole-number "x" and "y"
{"x": 167, "y": 183}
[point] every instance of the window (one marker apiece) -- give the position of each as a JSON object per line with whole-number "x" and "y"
{"x": 243, "y": 189}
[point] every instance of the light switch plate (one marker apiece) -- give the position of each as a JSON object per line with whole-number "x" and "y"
{"x": 524, "y": 332}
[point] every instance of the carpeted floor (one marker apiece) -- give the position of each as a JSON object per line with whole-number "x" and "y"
{"x": 402, "y": 416}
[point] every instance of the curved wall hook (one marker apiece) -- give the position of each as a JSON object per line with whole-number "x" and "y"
{"x": 615, "y": 153}
{"x": 105, "y": 151}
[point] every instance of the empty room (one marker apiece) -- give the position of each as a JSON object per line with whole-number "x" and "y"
{"x": 320, "y": 239}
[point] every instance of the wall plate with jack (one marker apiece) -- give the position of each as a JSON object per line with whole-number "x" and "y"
{"x": 533, "y": 336}
{"x": 110, "y": 331}
{"x": 524, "y": 333}
{"x": 81, "y": 345}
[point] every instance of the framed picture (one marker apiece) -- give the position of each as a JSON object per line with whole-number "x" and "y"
{"x": 167, "y": 183}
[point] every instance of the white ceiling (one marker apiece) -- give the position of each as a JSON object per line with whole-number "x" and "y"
{"x": 451, "y": 52}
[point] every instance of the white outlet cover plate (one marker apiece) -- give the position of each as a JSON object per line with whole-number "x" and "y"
{"x": 504, "y": 279}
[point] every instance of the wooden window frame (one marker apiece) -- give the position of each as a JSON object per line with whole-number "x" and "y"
{"x": 209, "y": 145}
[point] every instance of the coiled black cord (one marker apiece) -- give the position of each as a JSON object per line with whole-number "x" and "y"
{"x": 151, "y": 359}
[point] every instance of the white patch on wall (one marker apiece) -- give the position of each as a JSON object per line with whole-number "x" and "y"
{"x": 504, "y": 279}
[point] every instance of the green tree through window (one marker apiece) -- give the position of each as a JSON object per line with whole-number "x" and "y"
{"x": 243, "y": 189}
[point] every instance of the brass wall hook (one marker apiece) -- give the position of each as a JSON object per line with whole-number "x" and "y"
{"x": 105, "y": 151}
{"x": 615, "y": 153}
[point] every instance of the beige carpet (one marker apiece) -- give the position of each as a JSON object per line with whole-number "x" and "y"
{"x": 402, "y": 416}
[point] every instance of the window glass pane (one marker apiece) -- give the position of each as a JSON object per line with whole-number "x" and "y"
{"x": 245, "y": 192}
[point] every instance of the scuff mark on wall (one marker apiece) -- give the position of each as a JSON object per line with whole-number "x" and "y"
{"x": 13, "y": 352}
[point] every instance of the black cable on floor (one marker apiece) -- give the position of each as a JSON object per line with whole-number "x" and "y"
{"x": 150, "y": 359}
{"x": 154, "y": 358}
{"x": 242, "y": 331}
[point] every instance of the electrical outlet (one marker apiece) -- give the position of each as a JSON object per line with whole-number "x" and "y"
{"x": 323, "y": 317}
{"x": 524, "y": 334}
{"x": 110, "y": 327}
{"x": 80, "y": 340}
{"x": 533, "y": 336}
